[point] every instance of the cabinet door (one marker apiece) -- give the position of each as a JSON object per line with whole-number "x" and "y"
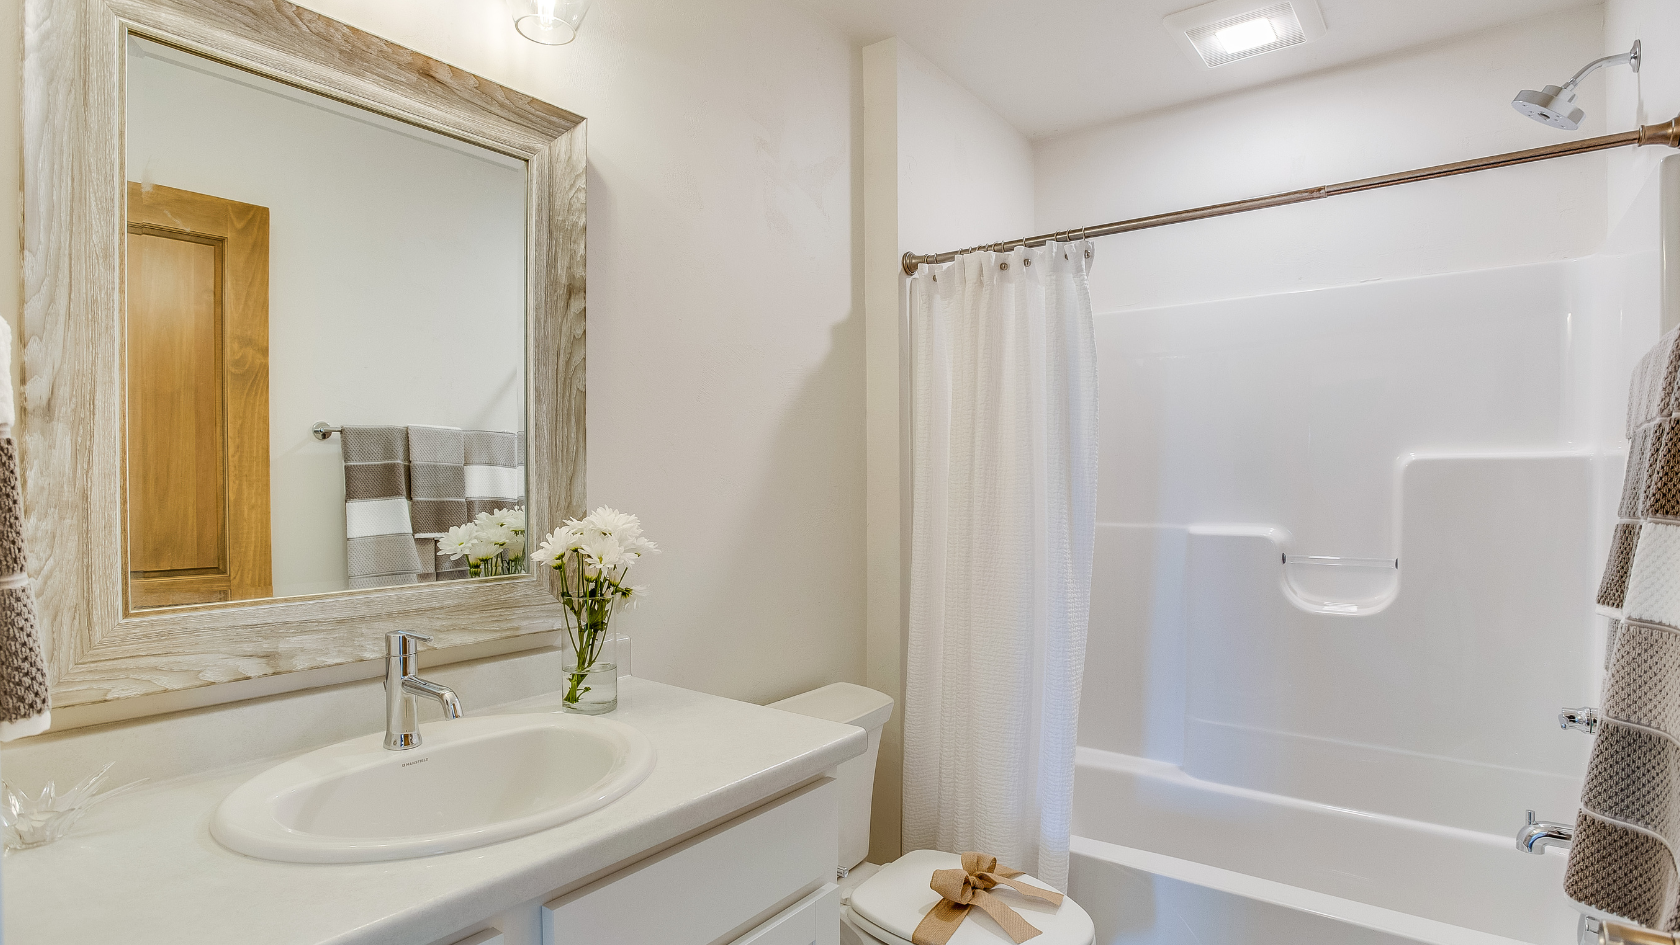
{"x": 709, "y": 888}
{"x": 814, "y": 920}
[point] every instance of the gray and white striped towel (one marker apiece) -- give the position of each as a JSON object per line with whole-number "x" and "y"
{"x": 1623, "y": 858}
{"x": 404, "y": 487}
{"x": 378, "y": 532}
{"x": 494, "y": 471}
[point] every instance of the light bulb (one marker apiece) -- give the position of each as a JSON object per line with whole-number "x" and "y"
{"x": 1249, "y": 34}
{"x": 550, "y": 22}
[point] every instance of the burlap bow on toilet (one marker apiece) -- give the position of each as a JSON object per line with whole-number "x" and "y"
{"x": 968, "y": 887}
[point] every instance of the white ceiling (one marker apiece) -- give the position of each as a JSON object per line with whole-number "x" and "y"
{"x": 1050, "y": 66}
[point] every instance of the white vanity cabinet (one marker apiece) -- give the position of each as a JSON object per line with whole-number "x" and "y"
{"x": 731, "y": 840}
{"x": 764, "y": 878}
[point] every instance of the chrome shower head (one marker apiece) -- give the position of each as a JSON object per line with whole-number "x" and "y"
{"x": 1550, "y": 106}
{"x": 1555, "y": 106}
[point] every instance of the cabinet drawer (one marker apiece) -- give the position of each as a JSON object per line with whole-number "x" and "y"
{"x": 814, "y": 920}
{"x": 706, "y": 889}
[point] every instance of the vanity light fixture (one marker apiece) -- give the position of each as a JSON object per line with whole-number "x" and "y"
{"x": 550, "y": 22}
{"x": 1226, "y": 31}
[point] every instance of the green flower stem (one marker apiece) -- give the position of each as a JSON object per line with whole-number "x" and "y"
{"x": 589, "y": 603}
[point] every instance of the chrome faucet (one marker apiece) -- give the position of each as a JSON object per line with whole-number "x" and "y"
{"x": 1583, "y": 719}
{"x": 402, "y": 713}
{"x": 1537, "y": 835}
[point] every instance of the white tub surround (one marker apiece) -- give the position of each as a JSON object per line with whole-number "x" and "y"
{"x": 144, "y": 869}
{"x": 1374, "y": 878}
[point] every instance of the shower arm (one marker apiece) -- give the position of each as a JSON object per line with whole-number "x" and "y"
{"x": 1631, "y": 58}
{"x": 1666, "y": 134}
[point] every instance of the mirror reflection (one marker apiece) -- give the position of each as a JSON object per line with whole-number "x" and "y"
{"x": 324, "y": 343}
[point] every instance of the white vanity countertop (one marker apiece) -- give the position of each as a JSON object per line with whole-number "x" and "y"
{"x": 143, "y": 869}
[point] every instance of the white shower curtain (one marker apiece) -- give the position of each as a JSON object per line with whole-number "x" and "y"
{"x": 1004, "y": 475}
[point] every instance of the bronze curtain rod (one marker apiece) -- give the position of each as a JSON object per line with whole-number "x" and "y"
{"x": 1667, "y": 134}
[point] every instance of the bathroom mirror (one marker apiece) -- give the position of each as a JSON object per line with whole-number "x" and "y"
{"x": 294, "y": 261}
{"x": 299, "y": 301}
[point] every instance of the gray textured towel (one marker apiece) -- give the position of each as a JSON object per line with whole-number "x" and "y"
{"x": 438, "y": 493}
{"x": 378, "y": 534}
{"x": 25, "y": 707}
{"x": 1622, "y": 860}
{"x": 439, "y": 490}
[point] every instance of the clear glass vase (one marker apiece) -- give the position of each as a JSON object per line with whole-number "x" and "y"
{"x": 498, "y": 566}
{"x": 589, "y": 682}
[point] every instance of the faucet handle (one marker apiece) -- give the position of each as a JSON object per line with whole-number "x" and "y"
{"x": 1584, "y": 719}
{"x": 402, "y": 642}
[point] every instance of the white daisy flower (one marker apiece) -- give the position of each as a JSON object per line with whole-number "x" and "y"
{"x": 609, "y": 521}
{"x": 494, "y": 534}
{"x": 457, "y": 541}
{"x": 560, "y": 541}
{"x": 603, "y": 550}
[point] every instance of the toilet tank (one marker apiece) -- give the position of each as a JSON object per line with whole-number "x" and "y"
{"x": 868, "y": 710}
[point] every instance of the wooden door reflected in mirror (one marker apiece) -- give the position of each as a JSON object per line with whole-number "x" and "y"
{"x": 197, "y": 477}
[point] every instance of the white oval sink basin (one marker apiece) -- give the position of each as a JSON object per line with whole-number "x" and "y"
{"x": 472, "y": 781}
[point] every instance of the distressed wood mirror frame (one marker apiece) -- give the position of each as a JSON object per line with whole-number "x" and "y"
{"x": 72, "y": 408}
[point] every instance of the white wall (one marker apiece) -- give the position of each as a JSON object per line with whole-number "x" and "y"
{"x": 396, "y": 273}
{"x": 964, "y": 175}
{"x": 1434, "y": 105}
{"x": 1649, "y": 98}
{"x": 940, "y": 168}
{"x": 725, "y": 341}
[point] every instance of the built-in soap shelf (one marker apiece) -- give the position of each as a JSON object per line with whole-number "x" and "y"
{"x": 1340, "y": 585}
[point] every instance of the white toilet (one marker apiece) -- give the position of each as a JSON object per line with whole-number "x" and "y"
{"x": 881, "y": 905}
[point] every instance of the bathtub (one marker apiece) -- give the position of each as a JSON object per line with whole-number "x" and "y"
{"x": 1162, "y": 858}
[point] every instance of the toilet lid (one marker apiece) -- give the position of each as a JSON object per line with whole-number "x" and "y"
{"x": 896, "y": 898}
